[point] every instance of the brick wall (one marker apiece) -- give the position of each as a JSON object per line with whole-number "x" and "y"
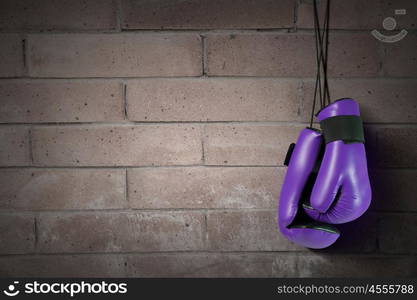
{"x": 146, "y": 138}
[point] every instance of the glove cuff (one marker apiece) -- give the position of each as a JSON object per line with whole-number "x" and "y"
{"x": 348, "y": 129}
{"x": 341, "y": 107}
{"x": 340, "y": 121}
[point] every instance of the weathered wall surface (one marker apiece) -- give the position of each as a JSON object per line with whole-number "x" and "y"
{"x": 146, "y": 138}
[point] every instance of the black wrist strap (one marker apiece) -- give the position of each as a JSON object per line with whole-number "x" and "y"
{"x": 348, "y": 129}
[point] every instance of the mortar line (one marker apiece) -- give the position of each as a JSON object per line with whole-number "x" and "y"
{"x": 206, "y": 233}
{"x": 391, "y": 211}
{"x": 125, "y": 108}
{"x": 380, "y": 52}
{"x": 30, "y": 145}
{"x": 393, "y": 169}
{"x": 106, "y": 167}
{"x": 295, "y": 14}
{"x": 150, "y": 123}
{"x": 203, "y": 55}
{"x": 202, "y": 210}
{"x": 203, "y": 153}
{"x": 25, "y": 60}
{"x": 129, "y": 123}
{"x": 204, "y": 252}
{"x": 118, "y": 16}
{"x": 110, "y": 211}
{"x": 127, "y": 200}
{"x": 300, "y": 100}
{"x": 212, "y": 76}
{"x": 377, "y": 241}
{"x": 36, "y": 231}
{"x": 157, "y": 31}
{"x": 141, "y": 167}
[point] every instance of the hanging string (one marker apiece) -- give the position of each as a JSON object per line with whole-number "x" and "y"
{"x": 321, "y": 88}
{"x": 326, "y": 31}
{"x": 317, "y": 87}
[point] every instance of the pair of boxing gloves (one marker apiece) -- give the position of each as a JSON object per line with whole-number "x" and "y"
{"x": 327, "y": 178}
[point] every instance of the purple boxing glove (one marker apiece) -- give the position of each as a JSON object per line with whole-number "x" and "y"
{"x": 342, "y": 192}
{"x": 302, "y": 160}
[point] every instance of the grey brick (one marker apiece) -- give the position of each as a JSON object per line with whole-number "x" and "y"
{"x": 240, "y": 144}
{"x": 260, "y": 55}
{"x": 17, "y": 233}
{"x": 117, "y": 145}
{"x": 14, "y": 150}
{"x": 60, "y": 189}
{"x": 401, "y": 58}
{"x": 268, "y": 54}
{"x": 61, "y": 101}
{"x": 201, "y": 187}
{"x": 221, "y": 99}
{"x": 114, "y": 55}
{"x": 246, "y": 231}
{"x": 199, "y": 265}
{"x": 89, "y": 265}
{"x": 11, "y": 55}
{"x": 359, "y": 266}
{"x": 121, "y": 232}
{"x": 207, "y": 14}
{"x": 49, "y": 15}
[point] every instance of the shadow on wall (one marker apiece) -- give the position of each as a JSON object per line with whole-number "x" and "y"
{"x": 363, "y": 234}
{"x": 357, "y": 236}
